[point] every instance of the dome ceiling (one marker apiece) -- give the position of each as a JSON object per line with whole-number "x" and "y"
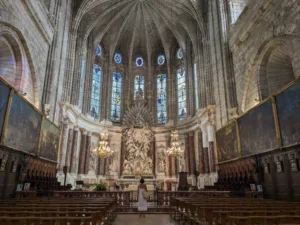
{"x": 138, "y": 27}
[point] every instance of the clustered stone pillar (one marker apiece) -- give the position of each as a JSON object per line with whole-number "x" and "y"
{"x": 82, "y": 152}
{"x": 212, "y": 156}
{"x": 205, "y": 148}
{"x": 72, "y": 168}
{"x": 63, "y": 145}
{"x": 201, "y": 153}
{"x": 192, "y": 162}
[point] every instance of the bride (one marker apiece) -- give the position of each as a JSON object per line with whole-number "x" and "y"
{"x": 142, "y": 203}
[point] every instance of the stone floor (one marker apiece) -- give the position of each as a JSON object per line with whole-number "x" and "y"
{"x": 150, "y": 219}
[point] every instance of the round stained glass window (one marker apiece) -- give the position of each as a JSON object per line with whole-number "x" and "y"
{"x": 180, "y": 54}
{"x": 99, "y": 50}
{"x": 139, "y": 61}
{"x": 118, "y": 58}
{"x": 161, "y": 60}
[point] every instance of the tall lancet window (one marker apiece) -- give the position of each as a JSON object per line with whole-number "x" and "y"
{"x": 96, "y": 87}
{"x": 181, "y": 87}
{"x": 161, "y": 98}
{"x": 116, "y": 97}
{"x": 139, "y": 85}
{"x": 236, "y": 8}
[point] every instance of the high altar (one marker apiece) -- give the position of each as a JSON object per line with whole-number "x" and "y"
{"x": 139, "y": 149}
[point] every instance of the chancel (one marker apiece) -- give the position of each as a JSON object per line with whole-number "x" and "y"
{"x": 182, "y": 107}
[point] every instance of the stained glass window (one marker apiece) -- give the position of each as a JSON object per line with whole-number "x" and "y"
{"x": 95, "y": 99}
{"x": 139, "y": 61}
{"x": 116, "y": 97}
{"x": 139, "y": 84}
{"x": 161, "y": 60}
{"x": 118, "y": 58}
{"x": 236, "y": 8}
{"x": 99, "y": 50}
{"x": 181, "y": 86}
{"x": 161, "y": 98}
{"x": 180, "y": 54}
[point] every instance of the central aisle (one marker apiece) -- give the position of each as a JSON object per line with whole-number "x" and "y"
{"x": 150, "y": 219}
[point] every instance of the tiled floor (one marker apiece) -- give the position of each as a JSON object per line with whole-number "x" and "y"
{"x": 150, "y": 219}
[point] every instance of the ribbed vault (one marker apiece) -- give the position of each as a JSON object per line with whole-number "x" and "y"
{"x": 139, "y": 27}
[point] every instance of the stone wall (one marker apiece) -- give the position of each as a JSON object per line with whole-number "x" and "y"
{"x": 265, "y": 44}
{"x": 27, "y": 22}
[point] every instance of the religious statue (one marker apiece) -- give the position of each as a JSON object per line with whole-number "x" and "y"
{"x": 139, "y": 94}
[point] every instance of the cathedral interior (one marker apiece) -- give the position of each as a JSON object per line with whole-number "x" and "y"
{"x": 191, "y": 95}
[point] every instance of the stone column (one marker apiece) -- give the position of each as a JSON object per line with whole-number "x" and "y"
{"x": 211, "y": 148}
{"x": 69, "y": 146}
{"x": 72, "y": 168}
{"x": 187, "y": 154}
{"x": 201, "y": 153}
{"x": 153, "y": 151}
{"x": 63, "y": 145}
{"x": 192, "y": 165}
{"x": 88, "y": 152}
{"x": 82, "y": 152}
{"x": 167, "y": 165}
{"x": 205, "y": 148}
{"x": 173, "y": 159}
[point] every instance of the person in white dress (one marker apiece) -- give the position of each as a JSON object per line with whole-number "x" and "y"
{"x": 142, "y": 202}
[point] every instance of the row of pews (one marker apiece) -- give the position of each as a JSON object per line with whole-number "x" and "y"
{"x": 58, "y": 211}
{"x": 234, "y": 211}
{"x": 45, "y": 183}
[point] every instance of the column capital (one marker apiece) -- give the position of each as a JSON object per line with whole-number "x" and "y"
{"x": 191, "y": 133}
{"x": 203, "y": 127}
{"x": 83, "y": 131}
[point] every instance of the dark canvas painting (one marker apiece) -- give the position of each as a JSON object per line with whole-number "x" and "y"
{"x": 227, "y": 143}
{"x": 257, "y": 130}
{"x": 49, "y": 141}
{"x": 23, "y": 128}
{"x": 4, "y": 95}
{"x": 288, "y": 109}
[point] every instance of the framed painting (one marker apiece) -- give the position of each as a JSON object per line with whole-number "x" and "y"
{"x": 50, "y": 136}
{"x": 227, "y": 142}
{"x": 288, "y": 111}
{"x": 4, "y": 96}
{"x": 257, "y": 129}
{"x": 23, "y": 126}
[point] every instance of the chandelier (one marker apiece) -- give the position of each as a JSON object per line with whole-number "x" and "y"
{"x": 103, "y": 150}
{"x": 175, "y": 149}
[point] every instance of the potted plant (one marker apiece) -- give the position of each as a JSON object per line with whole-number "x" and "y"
{"x": 100, "y": 187}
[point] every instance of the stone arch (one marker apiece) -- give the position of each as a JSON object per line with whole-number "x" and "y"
{"x": 16, "y": 64}
{"x": 275, "y": 70}
{"x": 270, "y": 69}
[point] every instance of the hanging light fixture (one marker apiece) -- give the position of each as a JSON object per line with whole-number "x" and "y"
{"x": 103, "y": 150}
{"x": 175, "y": 149}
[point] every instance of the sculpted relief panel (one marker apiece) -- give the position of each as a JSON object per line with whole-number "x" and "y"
{"x": 138, "y": 155}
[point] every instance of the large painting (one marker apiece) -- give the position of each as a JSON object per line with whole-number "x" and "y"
{"x": 288, "y": 109}
{"x": 50, "y": 137}
{"x": 227, "y": 142}
{"x": 257, "y": 130}
{"x": 23, "y": 127}
{"x": 4, "y": 96}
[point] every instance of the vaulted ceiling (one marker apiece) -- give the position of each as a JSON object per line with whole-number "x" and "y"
{"x": 139, "y": 27}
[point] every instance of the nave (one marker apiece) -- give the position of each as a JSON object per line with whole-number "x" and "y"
{"x": 150, "y": 219}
